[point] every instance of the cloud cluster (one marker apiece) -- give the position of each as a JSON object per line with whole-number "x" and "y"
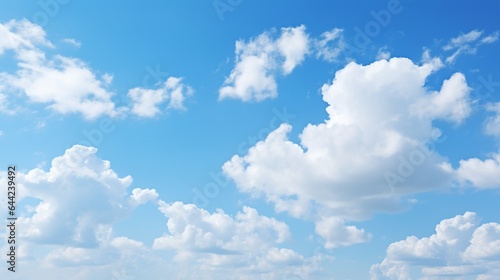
{"x": 337, "y": 234}
{"x": 260, "y": 60}
{"x": 374, "y": 150}
{"x": 68, "y": 85}
{"x": 460, "y": 247}
{"x": 195, "y": 230}
{"x": 68, "y": 214}
{"x": 371, "y": 152}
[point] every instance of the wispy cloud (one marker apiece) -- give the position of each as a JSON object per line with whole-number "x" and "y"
{"x": 468, "y": 43}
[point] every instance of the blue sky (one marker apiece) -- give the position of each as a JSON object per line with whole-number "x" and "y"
{"x": 252, "y": 139}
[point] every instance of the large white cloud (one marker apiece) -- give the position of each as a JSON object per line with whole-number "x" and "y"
{"x": 460, "y": 247}
{"x": 78, "y": 195}
{"x": 492, "y": 125}
{"x": 260, "y": 60}
{"x": 368, "y": 154}
{"x": 66, "y": 85}
{"x": 21, "y": 35}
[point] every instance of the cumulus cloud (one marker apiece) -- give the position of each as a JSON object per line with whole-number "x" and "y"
{"x": 66, "y": 85}
{"x": 77, "y": 196}
{"x": 217, "y": 241}
{"x": 480, "y": 173}
{"x": 483, "y": 173}
{"x": 260, "y": 60}
{"x": 69, "y": 85}
{"x": 336, "y": 233}
{"x": 72, "y": 42}
{"x": 66, "y": 219}
{"x": 373, "y": 150}
{"x": 5, "y": 106}
{"x": 492, "y": 125}
{"x": 293, "y": 45}
{"x": 468, "y": 43}
{"x": 22, "y": 34}
{"x": 463, "y": 39}
{"x": 146, "y": 101}
{"x": 460, "y": 247}
{"x": 142, "y": 196}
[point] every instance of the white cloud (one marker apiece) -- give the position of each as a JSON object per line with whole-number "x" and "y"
{"x": 460, "y": 247}
{"x": 481, "y": 173}
{"x": 66, "y": 85}
{"x": 146, "y": 101}
{"x": 194, "y": 230}
{"x": 115, "y": 258}
{"x": 21, "y": 35}
{"x": 450, "y": 103}
{"x": 492, "y": 125}
{"x": 383, "y": 54}
{"x": 336, "y": 233}
{"x": 491, "y": 38}
{"x": 293, "y": 44}
{"x": 468, "y": 43}
{"x": 142, "y": 196}
{"x": 246, "y": 243}
{"x": 66, "y": 229}
{"x": 485, "y": 243}
{"x": 463, "y": 39}
{"x": 72, "y": 42}
{"x": 78, "y": 195}
{"x": 259, "y": 61}
{"x": 5, "y": 104}
{"x": 330, "y": 45}
{"x": 369, "y": 153}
